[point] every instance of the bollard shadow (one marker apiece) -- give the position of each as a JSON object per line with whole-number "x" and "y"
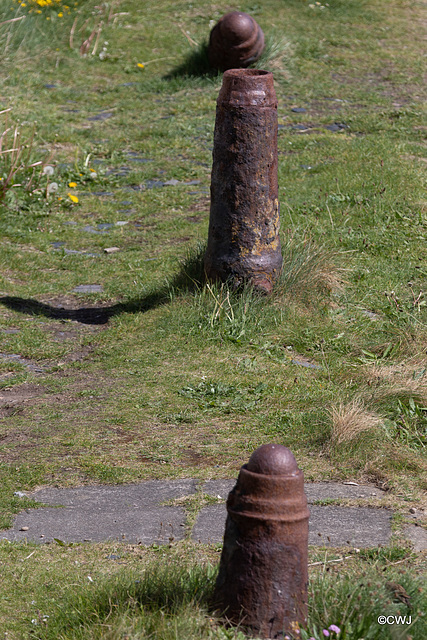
{"x": 169, "y": 591}
{"x": 189, "y": 278}
{"x": 195, "y": 64}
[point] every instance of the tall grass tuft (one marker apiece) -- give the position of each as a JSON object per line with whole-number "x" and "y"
{"x": 229, "y": 314}
{"x": 309, "y": 272}
{"x": 17, "y": 168}
{"x": 349, "y": 421}
{"x": 276, "y": 56}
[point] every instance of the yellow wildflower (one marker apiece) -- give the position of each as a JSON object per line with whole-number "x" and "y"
{"x": 140, "y": 65}
{"x": 72, "y": 184}
{"x": 72, "y": 197}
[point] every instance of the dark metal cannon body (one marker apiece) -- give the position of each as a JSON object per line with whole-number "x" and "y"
{"x": 263, "y": 574}
{"x": 243, "y": 241}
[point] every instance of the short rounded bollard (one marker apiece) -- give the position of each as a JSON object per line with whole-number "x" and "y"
{"x": 263, "y": 574}
{"x": 236, "y": 41}
{"x": 243, "y": 239}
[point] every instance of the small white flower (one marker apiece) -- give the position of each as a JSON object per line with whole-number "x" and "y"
{"x": 48, "y": 170}
{"x": 90, "y": 579}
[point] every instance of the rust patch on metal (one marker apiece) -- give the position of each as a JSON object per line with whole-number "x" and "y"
{"x": 263, "y": 574}
{"x": 243, "y": 242}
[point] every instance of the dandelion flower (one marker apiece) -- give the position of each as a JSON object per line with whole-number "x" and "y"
{"x": 52, "y": 187}
{"x": 72, "y": 184}
{"x": 48, "y": 170}
{"x": 140, "y": 65}
{"x": 72, "y": 197}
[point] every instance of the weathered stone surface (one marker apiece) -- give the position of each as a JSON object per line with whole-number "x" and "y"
{"x": 106, "y": 512}
{"x": 132, "y": 513}
{"x": 337, "y": 526}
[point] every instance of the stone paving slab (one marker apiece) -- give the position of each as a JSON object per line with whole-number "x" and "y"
{"x": 132, "y": 513}
{"x": 314, "y": 491}
{"x": 328, "y": 526}
{"x": 136, "y": 513}
{"x": 104, "y": 497}
{"x": 141, "y": 525}
{"x": 417, "y": 535}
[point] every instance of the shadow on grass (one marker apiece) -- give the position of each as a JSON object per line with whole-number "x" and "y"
{"x": 309, "y": 275}
{"x": 139, "y": 603}
{"x": 189, "y": 277}
{"x": 195, "y": 64}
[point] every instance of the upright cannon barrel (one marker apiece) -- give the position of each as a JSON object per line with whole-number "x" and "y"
{"x": 243, "y": 241}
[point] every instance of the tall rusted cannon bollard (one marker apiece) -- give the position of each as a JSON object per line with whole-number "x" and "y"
{"x": 243, "y": 240}
{"x": 263, "y": 574}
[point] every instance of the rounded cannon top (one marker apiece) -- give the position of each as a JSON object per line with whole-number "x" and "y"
{"x": 235, "y": 41}
{"x": 237, "y": 27}
{"x": 273, "y": 460}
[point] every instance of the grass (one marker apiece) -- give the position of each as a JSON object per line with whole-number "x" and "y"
{"x": 97, "y": 387}
{"x": 114, "y": 591}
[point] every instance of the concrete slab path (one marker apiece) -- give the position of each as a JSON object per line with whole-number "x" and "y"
{"x": 137, "y": 514}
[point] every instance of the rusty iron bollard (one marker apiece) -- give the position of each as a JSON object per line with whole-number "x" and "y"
{"x": 243, "y": 240}
{"x": 235, "y": 41}
{"x": 263, "y": 573}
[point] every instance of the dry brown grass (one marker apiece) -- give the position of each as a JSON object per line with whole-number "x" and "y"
{"x": 350, "y": 420}
{"x": 402, "y": 379}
